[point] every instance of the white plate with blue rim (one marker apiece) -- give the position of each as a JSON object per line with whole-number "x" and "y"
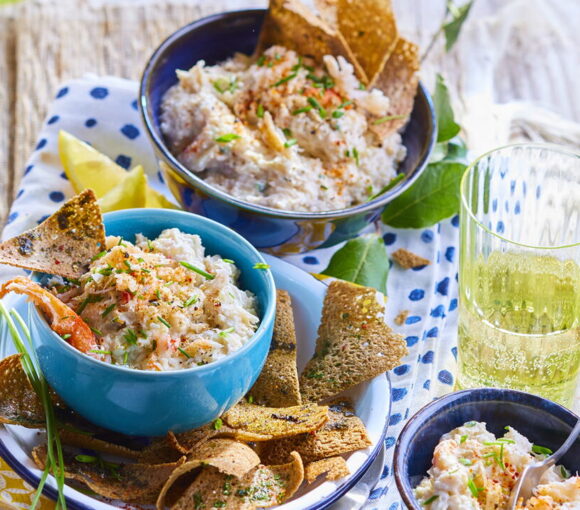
{"x": 372, "y": 403}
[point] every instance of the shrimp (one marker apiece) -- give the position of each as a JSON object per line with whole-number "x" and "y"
{"x": 63, "y": 320}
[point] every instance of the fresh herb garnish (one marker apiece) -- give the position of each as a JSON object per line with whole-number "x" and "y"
{"x": 314, "y": 375}
{"x": 65, "y": 336}
{"x": 261, "y": 60}
{"x": 315, "y": 104}
{"x": 355, "y": 155}
{"x": 130, "y": 337}
{"x": 463, "y": 438}
{"x": 163, "y": 321}
{"x": 99, "y": 351}
{"x": 345, "y": 103}
{"x": 430, "y": 500}
{"x": 96, "y": 331}
{"x": 564, "y": 473}
{"x": 128, "y": 265}
{"x": 382, "y": 120}
{"x": 158, "y": 294}
{"x": 541, "y": 450}
{"x": 261, "y": 265}
{"x": 228, "y": 261}
{"x": 290, "y": 142}
{"x": 203, "y": 273}
{"x": 184, "y": 353}
{"x": 91, "y": 298}
{"x": 218, "y": 424}
{"x": 474, "y": 489}
{"x": 285, "y": 79}
{"x": 228, "y": 137}
{"x": 190, "y": 301}
{"x": 465, "y": 462}
{"x": 305, "y": 109}
{"x": 260, "y": 111}
{"x": 337, "y": 114}
{"x": 470, "y": 424}
{"x": 225, "y": 332}
{"x": 99, "y": 255}
{"x": 125, "y": 357}
{"x": 86, "y": 459}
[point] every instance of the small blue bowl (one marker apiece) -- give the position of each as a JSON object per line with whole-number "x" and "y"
{"x": 279, "y": 232}
{"x": 144, "y": 403}
{"x": 542, "y": 421}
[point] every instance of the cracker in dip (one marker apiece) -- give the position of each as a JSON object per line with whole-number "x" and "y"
{"x": 163, "y": 304}
{"x": 473, "y": 470}
{"x": 282, "y": 131}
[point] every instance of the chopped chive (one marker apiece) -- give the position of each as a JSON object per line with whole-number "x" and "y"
{"x": 130, "y": 337}
{"x": 347, "y": 153}
{"x": 470, "y": 424}
{"x": 191, "y": 267}
{"x": 290, "y": 142}
{"x": 287, "y": 132}
{"x": 362, "y": 86}
{"x": 158, "y": 294}
{"x": 149, "y": 245}
{"x": 99, "y": 255}
{"x": 285, "y": 79}
{"x": 260, "y": 111}
{"x": 382, "y": 120}
{"x": 355, "y": 155}
{"x": 228, "y": 261}
{"x": 463, "y": 439}
{"x": 170, "y": 282}
{"x": 126, "y": 262}
{"x": 96, "y": 331}
{"x": 345, "y": 103}
{"x": 499, "y": 442}
{"x": 163, "y": 321}
{"x": 121, "y": 243}
{"x": 261, "y": 60}
{"x": 220, "y": 85}
{"x": 298, "y": 65}
{"x": 87, "y": 459}
{"x": 228, "y": 137}
{"x": 541, "y": 450}
{"x": 106, "y": 271}
{"x": 261, "y": 265}
{"x": 190, "y": 301}
{"x": 474, "y": 489}
{"x": 487, "y": 455}
{"x": 91, "y": 298}
{"x": 184, "y": 353}
{"x": 430, "y": 500}
{"x": 250, "y": 399}
{"x": 315, "y": 104}
{"x": 564, "y": 473}
{"x": 337, "y": 114}
{"x": 125, "y": 357}
{"x": 322, "y": 186}
{"x": 218, "y": 424}
{"x": 305, "y": 109}
{"x": 66, "y": 336}
{"x": 225, "y": 332}
{"x": 465, "y": 462}
{"x": 99, "y": 351}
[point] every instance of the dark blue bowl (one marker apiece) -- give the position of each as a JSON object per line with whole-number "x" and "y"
{"x": 214, "y": 39}
{"x": 542, "y": 421}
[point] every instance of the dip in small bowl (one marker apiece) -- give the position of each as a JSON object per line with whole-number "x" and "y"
{"x": 173, "y": 370}
{"x": 290, "y": 219}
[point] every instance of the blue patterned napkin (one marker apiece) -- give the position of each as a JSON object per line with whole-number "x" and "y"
{"x": 103, "y": 112}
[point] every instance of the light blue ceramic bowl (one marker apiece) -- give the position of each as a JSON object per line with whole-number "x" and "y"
{"x": 145, "y": 403}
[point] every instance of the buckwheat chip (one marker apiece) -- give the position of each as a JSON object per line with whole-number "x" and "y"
{"x": 354, "y": 344}
{"x": 408, "y": 260}
{"x": 64, "y": 243}
{"x": 334, "y": 468}
{"x": 277, "y": 385}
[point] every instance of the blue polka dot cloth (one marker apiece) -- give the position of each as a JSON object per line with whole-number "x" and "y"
{"x": 103, "y": 112}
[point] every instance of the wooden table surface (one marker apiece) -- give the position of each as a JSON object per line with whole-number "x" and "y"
{"x": 509, "y": 49}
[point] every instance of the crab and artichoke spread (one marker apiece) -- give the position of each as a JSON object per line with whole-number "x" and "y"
{"x": 473, "y": 470}
{"x": 162, "y": 304}
{"x": 281, "y": 131}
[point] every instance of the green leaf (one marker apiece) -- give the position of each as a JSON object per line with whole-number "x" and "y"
{"x": 447, "y": 128}
{"x": 453, "y": 27}
{"x": 433, "y": 197}
{"x": 362, "y": 260}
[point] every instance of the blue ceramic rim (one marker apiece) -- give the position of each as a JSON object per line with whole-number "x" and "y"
{"x": 51, "y": 493}
{"x": 267, "y": 316}
{"x": 449, "y": 401}
{"x": 200, "y": 184}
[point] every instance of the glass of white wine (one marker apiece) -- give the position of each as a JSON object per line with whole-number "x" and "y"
{"x": 519, "y": 274}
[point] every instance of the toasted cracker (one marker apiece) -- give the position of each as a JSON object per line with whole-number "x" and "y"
{"x": 370, "y": 30}
{"x": 19, "y": 403}
{"x": 165, "y": 449}
{"x": 231, "y": 458}
{"x": 134, "y": 483}
{"x": 344, "y": 432}
{"x": 408, "y": 260}
{"x": 291, "y": 24}
{"x": 354, "y": 344}
{"x": 401, "y": 317}
{"x": 334, "y": 468}
{"x": 82, "y": 440}
{"x": 251, "y": 421}
{"x": 398, "y": 81}
{"x": 277, "y": 385}
{"x": 64, "y": 243}
{"x": 262, "y": 487}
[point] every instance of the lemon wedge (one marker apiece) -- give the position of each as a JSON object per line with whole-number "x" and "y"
{"x": 116, "y": 188}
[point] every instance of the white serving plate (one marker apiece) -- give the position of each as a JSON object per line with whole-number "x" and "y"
{"x": 371, "y": 401}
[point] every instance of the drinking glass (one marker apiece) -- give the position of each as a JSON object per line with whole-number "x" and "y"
{"x": 519, "y": 271}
